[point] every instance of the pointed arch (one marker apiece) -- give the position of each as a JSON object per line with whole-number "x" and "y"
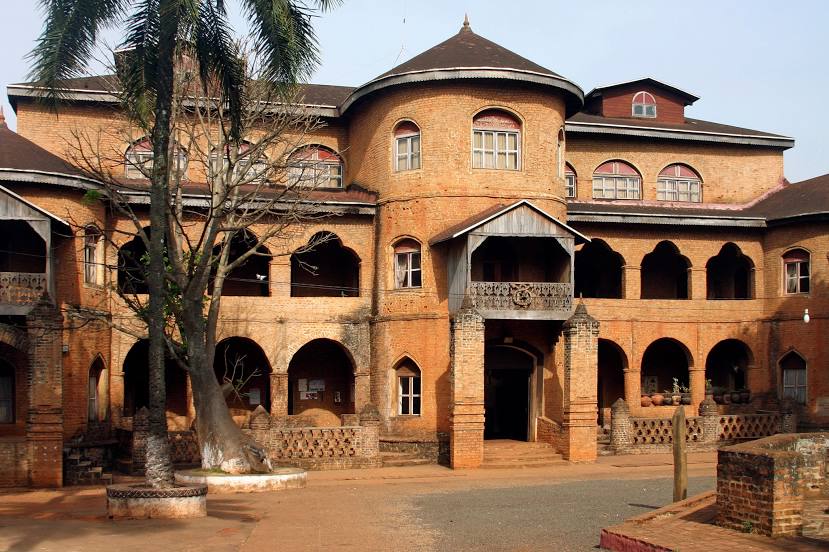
{"x": 408, "y": 396}
{"x": 729, "y": 274}
{"x": 665, "y": 273}
{"x": 324, "y": 267}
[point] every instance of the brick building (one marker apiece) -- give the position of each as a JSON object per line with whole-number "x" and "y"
{"x": 511, "y": 257}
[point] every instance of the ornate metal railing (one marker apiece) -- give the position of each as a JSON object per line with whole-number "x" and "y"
{"x": 21, "y": 288}
{"x": 521, "y": 295}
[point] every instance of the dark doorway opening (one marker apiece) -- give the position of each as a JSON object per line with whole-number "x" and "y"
{"x": 507, "y": 373}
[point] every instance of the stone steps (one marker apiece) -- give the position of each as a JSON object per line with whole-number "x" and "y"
{"x": 402, "y": 459}
{"x": 518, "y": 454}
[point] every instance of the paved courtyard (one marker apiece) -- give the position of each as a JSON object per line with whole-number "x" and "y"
{"x": 417, "y": 508}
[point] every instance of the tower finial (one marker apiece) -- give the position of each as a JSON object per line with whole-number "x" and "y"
{"x": 2, "y": 117}
{"x": 466, "y": 26}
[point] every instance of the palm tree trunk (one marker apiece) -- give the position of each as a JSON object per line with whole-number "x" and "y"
{"x": 159, "y": 466}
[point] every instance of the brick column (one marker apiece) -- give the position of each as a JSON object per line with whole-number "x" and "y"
{"x": 696, "y": 382}
{"x": 620, "y": 426}
{"x": 279, "y": 394}
{"x": 788, "y": 416}
{"x": 697, "y": 288}
{"x": 466, "y": 425}
{"x": 581, "y": 364}
{"x": 632, "y": 281}
{"x": 362, "y": 391}
{"x": 633, "y": 384}
{"x": 44, "y": 422}
{"x": 370, "y": 422}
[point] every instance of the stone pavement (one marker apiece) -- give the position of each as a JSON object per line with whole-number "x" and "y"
{"x": 415, "y": 508}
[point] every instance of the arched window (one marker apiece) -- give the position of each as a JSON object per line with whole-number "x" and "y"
{"x": 569, "y": 181}
{"x": 729, "y": 274}
{"x": 325, "y": 268}
{"x": 139, "y": 160}
{"x": 794, "y": 372}
{"x": 250, "y": 278}
{"x": 92, "y": 256}
{"x": 6, "y": 393}
{"x": 406, "y": 146}
{"x": 248, "y": 167}
{"x": 616, "y": 180}
{"x": 560, "y": 153}
{"x": 315, "y": 166}
{"x": 407, "y": 273}
{"x": 496, "y": 141}
{"x": 796, "y": 271}
{"x": 644, "y": 105}
{"x": 679, "y": 183}
{"x": 132, "y": 266}
{"x": 408, "y": 388}
{"x": 598, "y": 271}
{"x": 95, "y": 410}
{"x": 664, "y": 273}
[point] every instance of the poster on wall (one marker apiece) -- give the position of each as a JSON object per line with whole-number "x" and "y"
{"x": 302, "y": 383}
{"x": 316, "y": 385}
{"x": 308, "y": 395}
{"x": 254, "y": 397}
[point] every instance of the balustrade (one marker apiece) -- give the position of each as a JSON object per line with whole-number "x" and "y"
{"x": 22, "y": 288}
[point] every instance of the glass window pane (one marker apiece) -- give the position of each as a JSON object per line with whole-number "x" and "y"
{"x": 404, "y": 385}
{"x": 402, "y": 270}
{"x": 502, "y": 141}
{"x": 416, "y": 385}
{"x": 416, "y": 279}
{"x": 489, "y": 141}
{"x": 804, "y": 269}
{"x": 415, "y": 161}
{"x": 404, "y": 405}
{"x": 478, "y": 140}
{"x": 416, "y": 405}
{"x": 804, "y": 285}
{"x": 791, "y": 270}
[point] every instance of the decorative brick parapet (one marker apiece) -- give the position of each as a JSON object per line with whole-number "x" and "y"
{"x": 763, "y": 484}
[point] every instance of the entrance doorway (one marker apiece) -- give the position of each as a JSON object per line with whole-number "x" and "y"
{"x": 507, "y": 390}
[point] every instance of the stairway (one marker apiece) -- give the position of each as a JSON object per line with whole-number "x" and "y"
{"x": 504, "y": 454}
{"x": 401, "y": 459}
{"x": 85, "y": 465}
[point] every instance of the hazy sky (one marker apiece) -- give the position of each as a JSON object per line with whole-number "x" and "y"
{"x": 759, "y": 64}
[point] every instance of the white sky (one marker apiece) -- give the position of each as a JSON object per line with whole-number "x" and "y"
{"x": 759, "y": 64}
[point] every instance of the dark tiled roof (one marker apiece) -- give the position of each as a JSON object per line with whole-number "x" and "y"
{"x": 649, "y": 208}
{"x": 467, "y": 50}
{"x": 18, "y": 153}
{"x": 809, "y": 197}
{"x": 474, "y": 220}
{"x": 690, "y": 125}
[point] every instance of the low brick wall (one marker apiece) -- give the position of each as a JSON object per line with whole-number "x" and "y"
{"x": 762, "y": 484}
{"x": 320, "y": 448}
{"x": 432, "y": 448}
{"x": 548, "y": 431}
{"x": 14, "y": 463}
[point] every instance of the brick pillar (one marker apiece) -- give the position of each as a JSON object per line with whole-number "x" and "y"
{"x": 279, "y": 394}
{"x": 370, "y": 422}
{"x": 696, "y": 382}
{"x": 788, "y": 416}
{"x": 697, "y": 288}
{"x": 466, "y": 431}
{"x": 632, "y": 282}
{"x": 362, "y": 391}
{"x": 619, "y": 426}
{"x": 44, "y": 421}
{"x": 633, "y": 382}
{"x": 581, "y": 364}
{"x": 710, "y": 421}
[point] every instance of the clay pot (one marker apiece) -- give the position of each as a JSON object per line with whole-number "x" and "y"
{"x": 735, "y": 397}
{"x": 658, "y": 399}
{"x": 726, "y": 398}
{"x": 745, "y": 396}
{"x": 686, "y": 398}
{"x": 677, "y": 399}
{"x": 646, "y": 400}
{"x": 667, "y": 401}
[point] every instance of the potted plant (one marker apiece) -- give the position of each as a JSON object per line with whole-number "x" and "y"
{"x": 685, "y": 391}
{"x": 745, "y": 395}
{"x": 709, "y": 389}
{"x": 676, "y": 393}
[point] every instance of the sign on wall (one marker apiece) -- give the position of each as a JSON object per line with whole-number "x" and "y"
{"x": 316, "y": 385}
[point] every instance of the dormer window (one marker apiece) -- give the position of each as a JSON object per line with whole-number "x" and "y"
{"x": 644, "y": 105}
{"x": 496, "y": 139}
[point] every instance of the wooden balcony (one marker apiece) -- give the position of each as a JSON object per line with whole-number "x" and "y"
{"x": 528, "y": 300}
{"x": 19, "y": 291}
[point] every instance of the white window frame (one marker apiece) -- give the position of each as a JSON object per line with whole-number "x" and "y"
{"x": 797, "y": 385}
{"x": 250, "y": 173}
{"x": 404, "y": 276}
{"x": 679, "y": 189}
{"x": 569, "y": 185}
{"x": 319, "y": 173}
{"x": 407, "y": 152}
{"x": 496, "y": 157}
{"x": 136, "y": 160}
{"x": 647, "y": 110}
{"x": 92, "y": 240}
{"x": 608, "y": 186}
{"x": 410, "y": 395}
{"x": 792, "y": 274}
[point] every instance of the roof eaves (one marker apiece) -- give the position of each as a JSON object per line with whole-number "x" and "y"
{"x": 598, "y": 89}
{"x": 665, "y": 219}
{"x": 34, "y": 206}
{"x": 680, "y": 134}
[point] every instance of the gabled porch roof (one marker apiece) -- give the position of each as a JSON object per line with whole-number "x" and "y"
{"x": 499, "y": 211}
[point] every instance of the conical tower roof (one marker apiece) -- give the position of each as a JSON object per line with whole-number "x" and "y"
{"x": 468, "y": 55}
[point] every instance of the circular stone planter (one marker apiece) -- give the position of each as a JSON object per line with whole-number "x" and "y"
{"x": 142, "y": 502}
{"x": 219, "y": 483}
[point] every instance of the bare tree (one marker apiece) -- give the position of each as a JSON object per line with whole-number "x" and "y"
{"x": 247, "y": 199}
